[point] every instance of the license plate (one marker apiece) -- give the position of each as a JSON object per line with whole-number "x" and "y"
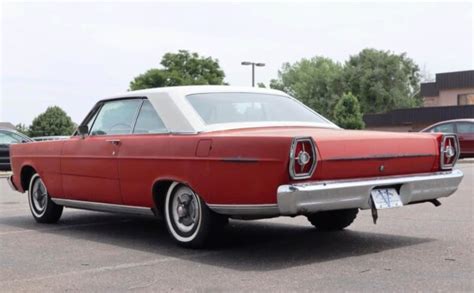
{"x": 386, "y": 198}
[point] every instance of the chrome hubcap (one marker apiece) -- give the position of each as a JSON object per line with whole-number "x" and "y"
{"x": 39, "y": 196}
{"x": 185, "y": 209}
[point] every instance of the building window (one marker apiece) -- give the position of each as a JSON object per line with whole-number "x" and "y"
{"x": 466, "y": 99}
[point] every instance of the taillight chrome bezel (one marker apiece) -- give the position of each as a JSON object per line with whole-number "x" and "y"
{"x": 443, "y": 151}
{"x": 293, "y": 158}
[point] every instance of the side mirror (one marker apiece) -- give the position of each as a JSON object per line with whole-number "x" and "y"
{"x": 83, "y": 130}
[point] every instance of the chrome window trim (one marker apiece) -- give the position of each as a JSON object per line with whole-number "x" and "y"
{"x": 205, "y": 127}
{"x": 243, "y": 125}
{"x": 294, "y": 143}
{"x": 134, "y": 123}
{"x": 102, "y": 103}
{"x": 93, "y": 118}
{"x": 166, "y": 131}
{"x": 442, "y": 151}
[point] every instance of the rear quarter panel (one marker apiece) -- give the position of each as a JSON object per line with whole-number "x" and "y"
{"x": 248, "y": 170}
{"x": 223, "y": 170}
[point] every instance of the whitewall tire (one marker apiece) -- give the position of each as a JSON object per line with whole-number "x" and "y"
{"x": 43, "y": 209}
{"x": 188, "y": 219}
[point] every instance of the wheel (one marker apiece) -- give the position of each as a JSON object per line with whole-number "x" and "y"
{"x": 188, "y": 219}
{"x": 333, "y": 220}
{"x": 43, "y": 209}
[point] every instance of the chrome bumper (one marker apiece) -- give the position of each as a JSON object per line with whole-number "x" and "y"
{"x": 310, "y": 197}
{"x": 10, "y": 182}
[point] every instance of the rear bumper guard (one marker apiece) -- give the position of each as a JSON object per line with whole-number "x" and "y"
{"x": 311, "y": 197}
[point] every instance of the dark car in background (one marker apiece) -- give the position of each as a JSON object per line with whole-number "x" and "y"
{"x": 7, "y": 138}
{"x": 464, "y": 128}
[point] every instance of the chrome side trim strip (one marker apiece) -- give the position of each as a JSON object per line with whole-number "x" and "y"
{"x": 239, "y": 160}
{"x": 102, "y": 207}
{"x": 246, "y": 209}
{"x": 383, "y": 156}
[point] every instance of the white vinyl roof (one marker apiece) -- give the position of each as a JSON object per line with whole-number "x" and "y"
{"x": 180, "y": 117}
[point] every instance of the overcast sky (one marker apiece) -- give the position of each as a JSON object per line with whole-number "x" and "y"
{"x": 73, "y": 54}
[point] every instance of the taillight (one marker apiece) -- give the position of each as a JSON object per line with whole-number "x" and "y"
{"x": 449, "y": 151}
{"x": 303, "y": 158}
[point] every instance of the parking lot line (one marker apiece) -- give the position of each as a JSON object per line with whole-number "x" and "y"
{"x": 113, "y": 268}
{"x": 71, "y": 226}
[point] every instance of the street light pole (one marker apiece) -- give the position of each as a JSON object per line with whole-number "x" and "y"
{"x": 253, "y": 69}
{"x": 253, "y": 74}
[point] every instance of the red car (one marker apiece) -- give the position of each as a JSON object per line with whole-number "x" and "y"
{"x": 464, "y": 128}
{"x": 199, "y": 155}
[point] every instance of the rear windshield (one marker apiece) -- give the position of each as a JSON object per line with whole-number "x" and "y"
{"x": 218, "y": 108}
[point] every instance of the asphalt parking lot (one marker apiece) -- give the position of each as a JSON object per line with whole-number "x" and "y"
{"x": 416, "y": 248}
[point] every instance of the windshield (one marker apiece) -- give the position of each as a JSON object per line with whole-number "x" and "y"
{"x": 217, "y": 108}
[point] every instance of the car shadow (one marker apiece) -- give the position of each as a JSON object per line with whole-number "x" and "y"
{"x": 242, "y": 245}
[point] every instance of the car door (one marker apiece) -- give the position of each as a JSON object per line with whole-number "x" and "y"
{"x": 465, "y": 132}
{"x": 140, "y": 157}
{"x": 89, "y": 167}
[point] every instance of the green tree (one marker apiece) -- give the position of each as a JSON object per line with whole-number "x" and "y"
{"x": 317, "y": 82}
{"x": 382, "y": 80}
{"x": 22, "y": 128}
{"x": 347, "y": 112}
{"x": 54, "y": 121}
{"x": 182, "y": 68}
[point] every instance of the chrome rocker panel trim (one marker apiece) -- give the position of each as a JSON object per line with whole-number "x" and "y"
{"x": 103, "y": 207}
{"x": 311, "y": 197}
{"x": 246, "y": 210}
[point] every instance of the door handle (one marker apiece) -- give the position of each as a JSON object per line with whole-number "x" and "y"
{"x": 114, "y": 141}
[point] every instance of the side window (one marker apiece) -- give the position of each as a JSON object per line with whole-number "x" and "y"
{"x": 6, "y": 138}
{"x": 465, "y": 127}
{"x": 116, "y": 117}
{"x": 445, "y": 128}
{"x": 466, "y": 99}
{"x": 148, "y": 120}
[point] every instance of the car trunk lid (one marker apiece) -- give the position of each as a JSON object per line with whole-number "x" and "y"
{"x": 354, "y": 153}
{"x": 350, "y": 154}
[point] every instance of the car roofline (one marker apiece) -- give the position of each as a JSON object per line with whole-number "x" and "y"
{"x": 179, "y": 116}
{"x": 470, "y": 120}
